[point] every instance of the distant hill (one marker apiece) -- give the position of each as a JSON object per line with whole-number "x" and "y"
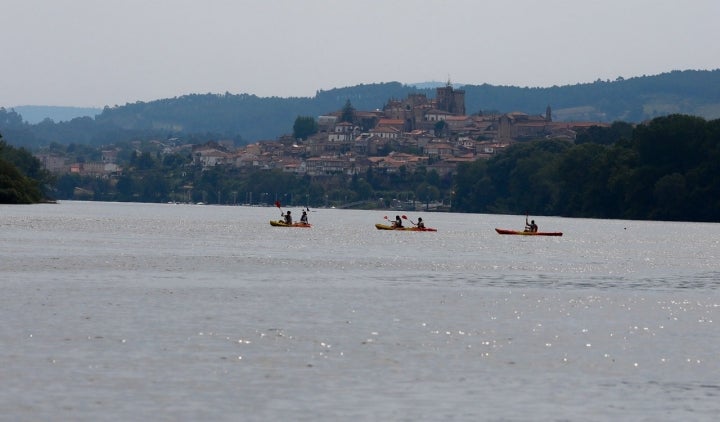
{"x": 248, "y": 118}
{"x": 435, "y": 84}
{"x": 36, "y": 114}
{"x": 633, "y": 100}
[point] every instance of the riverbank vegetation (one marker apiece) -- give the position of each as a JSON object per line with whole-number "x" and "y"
{"x": 22, "y": 178}
{"x": 666, "y": 169}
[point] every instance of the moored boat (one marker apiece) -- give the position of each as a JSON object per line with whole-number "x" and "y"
{"x": 528, "y": 233}
{"x": 408, "y": 229}
{"x": 276, "y": 223}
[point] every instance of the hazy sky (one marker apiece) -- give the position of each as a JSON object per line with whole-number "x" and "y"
{"x": 93, "y": 53}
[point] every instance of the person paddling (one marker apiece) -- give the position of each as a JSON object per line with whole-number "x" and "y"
{"x": 398, "y": 222}
{"x": 304, "y": 218}
{"x": 288, "y": 218}
{"x": 420, "y": 223}
{"x": 530, "y": 227}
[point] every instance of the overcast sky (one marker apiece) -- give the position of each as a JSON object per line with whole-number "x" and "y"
{"x": 92, "y": 53}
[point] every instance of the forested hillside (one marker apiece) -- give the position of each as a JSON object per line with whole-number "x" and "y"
{"x": 666, "y": 169}
{"x": 247, "y": 118}
{"x": 631, "y": 100}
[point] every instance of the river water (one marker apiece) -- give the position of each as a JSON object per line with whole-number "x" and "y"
{"x": 162, "y": 312}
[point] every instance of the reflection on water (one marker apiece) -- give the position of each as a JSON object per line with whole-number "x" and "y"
{"x": 120, "y": 311}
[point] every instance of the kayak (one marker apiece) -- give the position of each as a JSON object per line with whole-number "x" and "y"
{"x": 276, "y": 223}
{"x": 407, "y": 229}
{"x": 524, "y": 233}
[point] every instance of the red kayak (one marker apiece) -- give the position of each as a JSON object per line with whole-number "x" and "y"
{"x": 524, "y": 233}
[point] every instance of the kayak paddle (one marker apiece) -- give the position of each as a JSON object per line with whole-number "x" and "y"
{"x": 404, "y": 217}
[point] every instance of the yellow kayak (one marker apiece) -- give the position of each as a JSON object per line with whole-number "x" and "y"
{"x": 409, "y": 229}
{"x": 276, "y": 223}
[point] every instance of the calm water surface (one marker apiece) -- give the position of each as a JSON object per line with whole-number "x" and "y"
{"x": 183, "y": 312}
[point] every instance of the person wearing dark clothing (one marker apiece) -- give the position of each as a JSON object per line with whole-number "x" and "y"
{"x": 530, "y": 227}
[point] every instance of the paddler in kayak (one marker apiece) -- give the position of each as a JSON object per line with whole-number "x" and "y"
{"x": 304, "y": 218}
{"x": 530, "y": 227}
{"x": 288, "y": 218}
{"x": 420, "y": 223}
{"x": 397, "y": 223}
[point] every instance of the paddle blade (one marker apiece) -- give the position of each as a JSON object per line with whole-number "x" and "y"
{"x": 404, "y": 217}
{"x": 385, "y": 217}
{"x": 277, "y": 204}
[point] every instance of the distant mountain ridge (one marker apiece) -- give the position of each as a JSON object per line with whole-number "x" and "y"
{"x": 435, "y": 84}
{"x": 34, "y": 114}
{"x": 249, "y": 118}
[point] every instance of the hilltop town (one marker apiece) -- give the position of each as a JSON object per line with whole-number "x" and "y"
{"x": 435, "y": 133}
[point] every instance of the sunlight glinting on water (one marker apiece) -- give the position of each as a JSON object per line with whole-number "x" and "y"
{"x": 209, "y": 311}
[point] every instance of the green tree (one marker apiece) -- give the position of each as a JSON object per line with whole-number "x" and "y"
{"x": 671, "y": 144}
{"x": 21, "y": 176}
{"x": 583, "y": 172}
{"x": 474, "y": 190}
{"x": 605, "y": 135}
{"x": 144, "y": 161}
{"x": 348, "y": 113}
{"x": 125, "y": 188}
{"x": 15, "y": 188}
{"x": 65, "y": 185}
{"x": 440, "y": 128}
{"x": 671, "y": 197}
{"x": 154, "y": 188}
{"x": 304, "y": 127}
